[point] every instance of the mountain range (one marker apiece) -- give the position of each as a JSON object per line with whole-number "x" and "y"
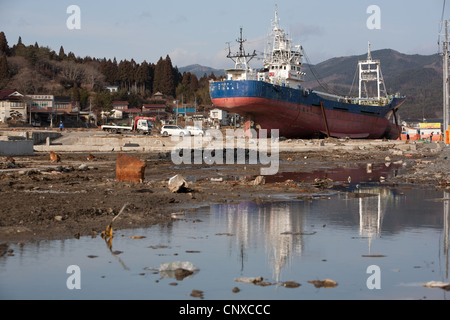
{"x": 419, "y": 77}
{"x": 200, "y": 71}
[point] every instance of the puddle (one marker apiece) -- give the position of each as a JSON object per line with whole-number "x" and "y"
{"x": 400, "y": 231}
{"x": 360, "y": 174}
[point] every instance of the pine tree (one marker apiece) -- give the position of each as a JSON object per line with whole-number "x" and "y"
{"x": 61, "y": 54}
{"x": 3, "y": 44}
{"x": 169, "y": 80}
{"x": 158, "y": 76}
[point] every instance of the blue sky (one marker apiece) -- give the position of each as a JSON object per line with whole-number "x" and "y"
{"x": 197, "y": 31}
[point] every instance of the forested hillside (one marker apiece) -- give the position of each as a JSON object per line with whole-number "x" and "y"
{"x": 35, "y": 69}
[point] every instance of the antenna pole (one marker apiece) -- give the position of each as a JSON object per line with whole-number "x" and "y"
{"x": 445, "y": 80}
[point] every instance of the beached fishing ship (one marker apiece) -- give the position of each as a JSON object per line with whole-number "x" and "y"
{"x": 274, "y": 98}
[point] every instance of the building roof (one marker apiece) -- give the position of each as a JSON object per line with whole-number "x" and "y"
{"x": 154, "y": 106}
{"x": 132, "y": 110}
{"x": 119, "y": 102}
{"x": 10, "y": 94}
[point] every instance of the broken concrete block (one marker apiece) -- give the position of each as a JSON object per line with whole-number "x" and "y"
{"x": 177, "y": 183}
{"x": 129, "y": 168}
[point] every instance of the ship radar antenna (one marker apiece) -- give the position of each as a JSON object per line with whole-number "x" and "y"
{"x": 369, "y": 56}
{"x": 241, "y": 59}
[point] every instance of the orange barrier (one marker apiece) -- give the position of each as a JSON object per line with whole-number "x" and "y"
{"x": 447, "y": 138}
{"x": 411, "y": 136}
{"x": 414, "y": 137}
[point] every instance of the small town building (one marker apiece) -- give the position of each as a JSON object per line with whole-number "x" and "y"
{"x": 12, "y": 106}
{"x": 157, "y": 111}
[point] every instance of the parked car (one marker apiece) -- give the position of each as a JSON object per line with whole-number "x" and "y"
{"x": 195, "y": 131}
{"x": 173, "y": 130}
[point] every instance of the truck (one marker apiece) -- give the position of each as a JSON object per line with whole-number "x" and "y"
{"x": 141, "y": 125}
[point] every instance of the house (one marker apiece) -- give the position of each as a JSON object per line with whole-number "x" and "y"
{"x": 120, "y": 105}
{"x": 65, "y": 105}
{"x": 155, "y": 110}
{"x": 12, "y": 105}
{"x": 218, "y": 116}
{"x": 47, "y": 107}
{"x": 42, "y": 103}
{"x": 158, "y": 96}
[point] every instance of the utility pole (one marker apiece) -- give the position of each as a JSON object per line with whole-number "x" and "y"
{"x": 445, "y": 79}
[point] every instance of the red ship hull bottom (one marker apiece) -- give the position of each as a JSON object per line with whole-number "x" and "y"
{"x": 301, "y": 121}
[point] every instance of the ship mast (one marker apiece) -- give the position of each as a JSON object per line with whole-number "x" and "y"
{"x": 370, "y": 71}
{"x": 241, "y": 59}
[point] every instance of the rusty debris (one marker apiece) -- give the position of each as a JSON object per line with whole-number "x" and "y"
{"x": 129, "y": 168}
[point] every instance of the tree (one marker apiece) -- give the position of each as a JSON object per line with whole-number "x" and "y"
{"x": 126, "y": 73}
{"x": 3, "y": 44}
{"x": 143, "y": 77}
{"x": 159, "y": 75}
{"x": 170, "y": 80}
{"x": 61, "y": 54}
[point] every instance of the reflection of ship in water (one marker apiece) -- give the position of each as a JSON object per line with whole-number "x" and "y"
{"x": 282, "y": 226}
{"x": 279, "y": 223}
{"x": 372, "y": 208}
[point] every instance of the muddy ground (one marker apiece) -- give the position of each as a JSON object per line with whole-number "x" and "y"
{"x": 45, "y": 200}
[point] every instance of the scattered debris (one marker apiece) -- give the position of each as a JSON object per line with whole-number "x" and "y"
{"x": 291, "y": 284}
{"x": 55, "y": 157}
{"x": 259, "y": 180}
{"x": 129, "y": 168}
{"x": 83, "y": 167}
{"x": 177, "y": 269}
{"x": 177, "y": 184}
{"x": 325, "y": 283}
{"x": 437, "y": 284}
{"x": 107, "y": 234}
{"x": 259, "y": 281}
{"x": 197, "y": 294}
{"x": 181, "y": 273}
